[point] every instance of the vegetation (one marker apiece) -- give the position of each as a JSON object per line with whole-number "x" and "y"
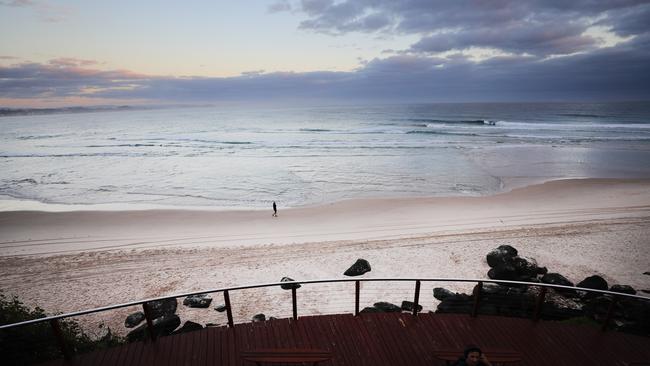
{"x": 36, "y": 343}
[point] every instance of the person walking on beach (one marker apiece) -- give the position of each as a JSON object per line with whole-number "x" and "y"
{"x": 275, "y": 210}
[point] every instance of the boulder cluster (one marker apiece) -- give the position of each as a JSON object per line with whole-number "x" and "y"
{"x": 165, "y": 321}
{"x": 563, "y": 303}
{"x": 508, "y": 299}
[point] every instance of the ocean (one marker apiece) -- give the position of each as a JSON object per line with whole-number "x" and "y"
{"x": 245, "y": 158}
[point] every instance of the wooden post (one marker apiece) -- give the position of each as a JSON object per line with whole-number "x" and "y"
{"x": 357, "y": 290}
{"x": 149, "y": 318}
{"x": 295, "y": 304}
{"x": 226, "y": 299}
{"x": 610, "y": 312}
{"x": 416, "y": 300}
{"x": 477, "y": 298}
{"x": 539, "y": 304}
{"x": 58, "y": 334}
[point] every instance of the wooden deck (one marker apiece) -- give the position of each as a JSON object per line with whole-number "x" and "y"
{"x": 383, "y": 339}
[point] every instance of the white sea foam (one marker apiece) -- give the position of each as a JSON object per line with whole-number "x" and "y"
{"x": 246, "y": 158}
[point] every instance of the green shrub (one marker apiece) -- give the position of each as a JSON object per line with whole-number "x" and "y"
{"x": 36, "y": 343}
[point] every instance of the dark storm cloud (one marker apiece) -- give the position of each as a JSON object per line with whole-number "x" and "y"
{"x": 60, "y": 77}
{"x": 536, "y": 27}
{"x": 616, "y": 73}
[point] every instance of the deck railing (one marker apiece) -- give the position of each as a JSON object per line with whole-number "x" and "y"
{"x": 476, "y": 294}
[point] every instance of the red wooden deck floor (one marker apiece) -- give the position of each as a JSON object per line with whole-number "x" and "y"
{"x": 383, "y": 339}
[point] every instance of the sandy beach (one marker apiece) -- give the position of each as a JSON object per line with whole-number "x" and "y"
{"x": 66, "y": 261}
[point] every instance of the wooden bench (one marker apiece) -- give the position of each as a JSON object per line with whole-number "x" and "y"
{"x": 496, "y": 356}
{"x": 286, "y": 355}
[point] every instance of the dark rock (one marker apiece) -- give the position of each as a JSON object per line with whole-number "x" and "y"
{"x": 501, "y": 255}
{"x": 646, "y": 273}
{"x": 162, "y": 307}
{"x": 370, "y": 309}
{"x": 290, "y": 285}
{"x": 188, "y": 327}
{"x": 500, "y": 290}
{"x": 259, "y": 318}
{"x": 409, "y": 305}
{"x": 197, "y": 301}
{"x": 441, "y": 293}
{"x": 525, "y": 267}
{"x": 387, "y": 307}
{"x": 221, "y": 308}
{"x": 457, "y": 303}
{"x": 542, "y": 270}
{"x": 211, "y": 325}
{"x": 503, "y": 271}
{"x": 558, "y": 307}
{"x": 556, "y": 279}
{"x": 597, "y": 307}
{"x": 134, "y": 319}
{"x": 624, "y": 289}
{"x": 506, "y": 300}
{"x": 359, "y": 267}
{"x": 162, "y": 326}
{"x": 594, "y": 282}
{"x": 272, "y": 318}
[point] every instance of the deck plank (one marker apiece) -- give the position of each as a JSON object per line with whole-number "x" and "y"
{"x": 382, "y": 340}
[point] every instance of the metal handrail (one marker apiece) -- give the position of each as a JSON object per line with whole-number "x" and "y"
{"x": 337, "y": 280}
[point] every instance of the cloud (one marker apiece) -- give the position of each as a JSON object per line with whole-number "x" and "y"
{"x": 18, "y": 3}
{"x": 46, "y": 12}
{"x": 541, "y": 28}
{"x": 282, "y": 5}
{"x": 615, "y": 73}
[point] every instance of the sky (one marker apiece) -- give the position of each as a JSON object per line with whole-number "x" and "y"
{"x": 88, "y": 52}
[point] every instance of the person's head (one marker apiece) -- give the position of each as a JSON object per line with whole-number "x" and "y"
{"x": 472, "y": 355}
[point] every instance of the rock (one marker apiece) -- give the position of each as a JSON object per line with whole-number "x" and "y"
{"x": 387, "y": 307}
{"x": 211, "y": 325}
{"x": 370, "y": 309}
{"x": 259, "y": 318}
{"x": 646, "y": 273}
{"x": 188, "y": 327}
{"x": 162, "y": 326}
{"x": 442, "y": 293}
{"x": 496, "y": 289}
{"x": 594, "y": 282}
{"x": 624, "y": 289}
{"x": 359, "y": 267}
{"x": 503, "y": 271}
{"x": 409, "y": 305}
{"x": 501, "y": 255}
{"x": 597, "y": 307}
{"x": 163, "y": 307}
{"x": 134, "y": 319}
{"x": 556, "y": 279}
{"x": 542, "y": 270}
{"x": 558, "y": 307}
{"x": 221, "y": 308}
{"x": 197, "y": 301}
{"x": 525, "y": 267}
{"x": 457, "y": 303}
{"x": 290, "y": 285}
